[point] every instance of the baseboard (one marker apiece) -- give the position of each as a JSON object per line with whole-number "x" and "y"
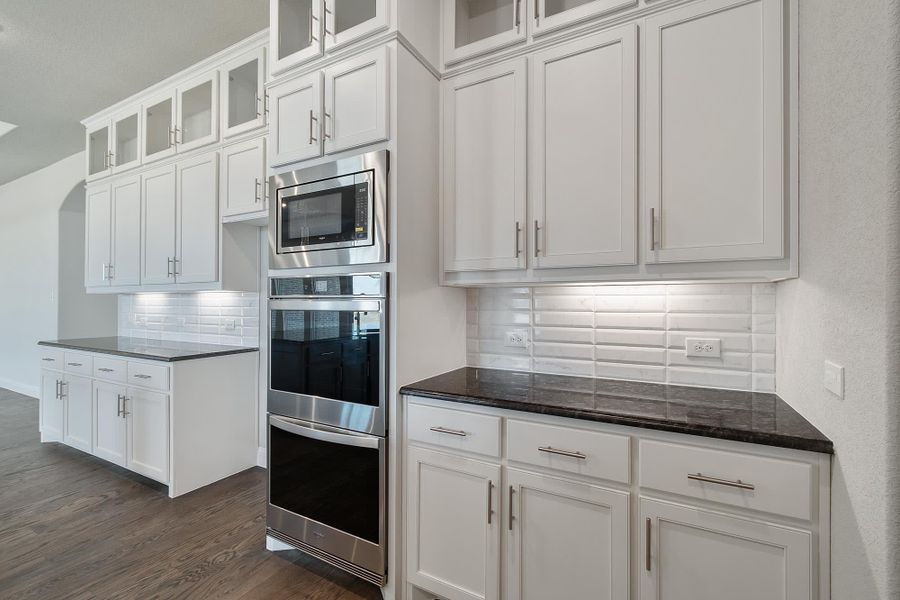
{"x": 261, "y": 457}
{"x": 20, "y": 388}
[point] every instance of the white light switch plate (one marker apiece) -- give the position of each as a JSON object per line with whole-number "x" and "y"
{"x": 834, "y": 378}
{"x": 516, "y": 338}
{"x": 703, "y": 347}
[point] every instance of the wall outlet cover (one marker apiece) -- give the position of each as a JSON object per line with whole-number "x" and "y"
{"x": 703, "y": 347}
{"x": 516, "y": 338}
{"x": 834, "y": 378}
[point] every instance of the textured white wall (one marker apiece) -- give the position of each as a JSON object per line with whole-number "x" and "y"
{"x": 839, "y": 309}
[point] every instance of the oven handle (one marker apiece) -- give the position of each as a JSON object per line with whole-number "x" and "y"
{"x": 324, "y": 433}
{"x": 326, "y": 304}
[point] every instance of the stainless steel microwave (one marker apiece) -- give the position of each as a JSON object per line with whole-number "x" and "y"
{"x": 332, "y": 214}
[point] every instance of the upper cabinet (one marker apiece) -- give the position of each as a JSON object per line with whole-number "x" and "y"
{"x": 243, "y": 93}
{"x": 550, "y": 15}
{"x": 473, "y": 27}
{"x": 98, "y": 150}
{"x": 113, "y": 144}
{"x": 301, "y": 30}
{"x": 159, "y": 126}
{"x": 182, "y": 120}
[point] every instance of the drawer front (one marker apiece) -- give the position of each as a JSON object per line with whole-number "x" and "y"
{"x": 588, "y": 453}
{"x": 79, "y": 364}
{"x": 771, "y": 485}
{"x": 458, "y": 430}
{"x": 52, "y": 358}
{"x": 110, "y": 369}
{"x": 155, "y": 377}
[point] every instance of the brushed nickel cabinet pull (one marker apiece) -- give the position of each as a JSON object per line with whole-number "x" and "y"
{"x": 569, "y": 453}
{"x": 517, "y": 21}
{"x": 312, "y": 120}
{"x": 125, "y": 413}
{"x": 256, "y": 190}
{"x": 537, "y": 246}
{"x": 726, "y": 482}
{"x": 259, "y": 106}
{"x": 648, "y": 556}
{"x": 325, "y": 133}
{"x": 75, "y": 364}
{"x": 140, "y": 376}
{"x": 48, "y": 360}
{"x": 518, "y": 233}
{"x": 58, "y": 389}
{"x": 511, "y": 491}
{"x": 490, "y": 500}
{"x": 455, "y": 432}
{"x": 654, "y": 245}
{"x": 119, "y": 405}
{"x": 105, "y": 370}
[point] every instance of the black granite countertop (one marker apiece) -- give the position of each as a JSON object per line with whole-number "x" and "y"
{"x": 148, "y": 349}
{"x": 726, "y": 414}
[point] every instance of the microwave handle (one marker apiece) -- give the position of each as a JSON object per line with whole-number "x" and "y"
{"x": 325, "y": 303}
{"x": 324, "y": 433}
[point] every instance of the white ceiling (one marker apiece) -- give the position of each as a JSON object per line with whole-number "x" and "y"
{"x": 63, "y": 60}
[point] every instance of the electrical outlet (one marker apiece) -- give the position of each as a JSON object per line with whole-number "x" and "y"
{"x": 517, "y": 338}
{"x": 229, "y": 325}
{"x": 834, "y": 378}
{"x": 703, "y": 347}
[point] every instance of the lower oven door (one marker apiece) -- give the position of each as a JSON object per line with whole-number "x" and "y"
{"x": 327, "y": 494}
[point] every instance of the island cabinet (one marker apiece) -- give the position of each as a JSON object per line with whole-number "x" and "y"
{"x": 184, "y": 424}
{"x": 508, "y": 505}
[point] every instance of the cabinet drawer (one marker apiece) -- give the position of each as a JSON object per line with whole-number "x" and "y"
{"x": 110, "y": 369}
{"x": 149, "y": 376}
{"x": 79, "y": 364}
{"x": 454, "y": 429}
{"x": 771, "y": 485}
{"x": 589, "y": 453}
{"x": 52, "y": 358}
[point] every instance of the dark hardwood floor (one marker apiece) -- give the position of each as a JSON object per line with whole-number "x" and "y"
{"x": 72, "y": 526}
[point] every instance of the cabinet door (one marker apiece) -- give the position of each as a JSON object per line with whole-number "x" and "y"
{"x": 125, "y": 268}
{"x": 453, "y": 526}
{"x": 243, "y": 93}
{"x": 52, "y": 407}
{"x": 473, "y": 27}
{"x": 349, "y": 20}
{"x": 550, "y": 15}
{"x": 296, "y": 120}
{"x": 584, "y": 152}
{"x": 197, "y": 250}
{"x": 109, "y": 423}
{"x": 147, "y": 415}
{"x": 356, "y": 101}
{"x": 98, "y": 149}
{"x": 692, "y": 554}
{"x": 484, "y": 168}
{"x": 79, "y": 431}
{"x": 713, "y": 127}
{"x": 125, "y": 150}
{"x": 158, "y": 127}
{"x": 98, "y": 244}
{"x": 295, "y": 33}
{"x": 198, "y": 113}
{"x": 158, "y": 226}
{"x": 565, "y": 535}
{"x": 243, "y": 181}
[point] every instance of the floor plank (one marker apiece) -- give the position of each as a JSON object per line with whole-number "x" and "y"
{"x": 76, "y": 528}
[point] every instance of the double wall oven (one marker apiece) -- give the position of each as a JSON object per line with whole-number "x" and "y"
{"x": 327, "y": 395}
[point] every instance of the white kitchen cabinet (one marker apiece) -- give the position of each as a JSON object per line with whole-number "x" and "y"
{"x": 356, "y": 101}
{"x": 125, "y": 262}
{"x": 158, "y": 226}
{"x": 52, "y": 414}
{"x": 98, "y": 232}
{"x": 484, "y": 168}
{"x": 79, "y": 407}
{"x": 243, "y": 188}
{"x": 98, "y": 150}
{"x": 158, "y": 124}
{"x": 197, "y": 235}
{"x": 125, "y": 147}
{"x": 565, "y": 539}
{"x": 296, "y": 128}
{"x": 583, "y": 143}
{"x": 475, "y": 27}
{"x": 197, "y": 122}
{"x": 692, "y": 554}
{"x": 714, "y": 132}
{"x": 347, "y": 21}
{"x": 295, "y": 33}
{"x": 147, "y": 415}
{"x": 453, "y": 525}
{"x": 243, "y": 93}
{"x": 551, "y": 15}
{"x": 110, "y": 426}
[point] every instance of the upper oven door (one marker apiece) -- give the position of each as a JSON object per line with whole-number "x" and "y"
{"x": 326, "y": 362}
{"x": 329, "y": 214}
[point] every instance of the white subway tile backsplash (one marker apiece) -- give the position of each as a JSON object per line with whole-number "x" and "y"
{"x": 630, "y": 332}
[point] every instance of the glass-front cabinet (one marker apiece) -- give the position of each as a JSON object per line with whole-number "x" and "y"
{"x": 480, "y": 26}
{"x": 243, "y": 93}
{"x": 98, "y": 160}
{"x": 349, "y": 20}
{"x": 159, "y": 127}
{"x": 125, "y": 151}
{"x": 198, "y": 113}
{"x": 551, "y": 15}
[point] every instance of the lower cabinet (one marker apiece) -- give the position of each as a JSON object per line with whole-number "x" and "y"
{"x": 110, "y": 431}
{"x": 52, "y": 407}
{"x": 693, "y": 554}
{"x": 147, "y": 415}
{"x": 77, "y": 392}
{"x": 454, "y": 525}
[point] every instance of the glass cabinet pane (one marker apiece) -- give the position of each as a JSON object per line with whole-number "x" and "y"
{"x": 125, "y": 148}
{"x": 350, "y": 13}
{"x": 98, "y": 146}
{"x": 243, "y": 90}
{"x": 158, "y": 123}
{"x": 295, "y": 26}
{"x": 477, "y": 20}
{"x": 196, "y": 112}
{"x": 554, "y": 7}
